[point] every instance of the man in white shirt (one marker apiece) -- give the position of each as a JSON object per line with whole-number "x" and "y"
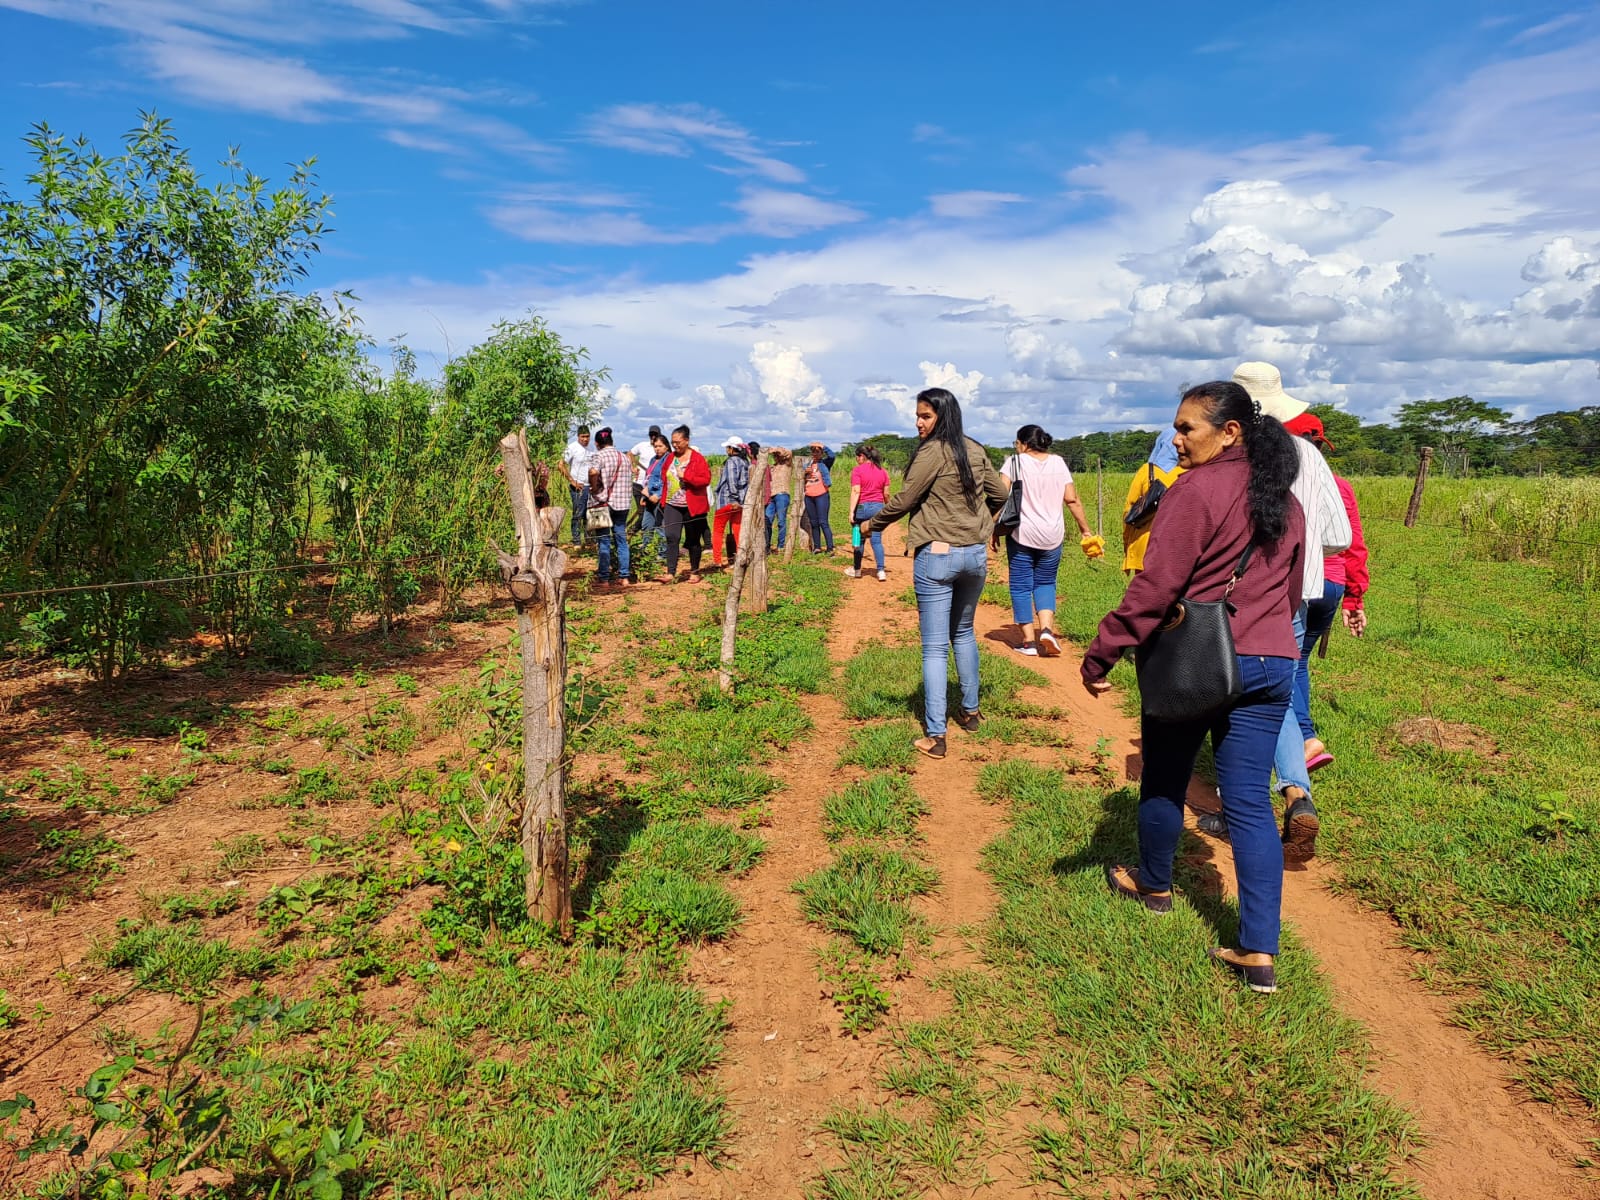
{"x": 1327, "y": 532}
{"x": 575, "y": 468}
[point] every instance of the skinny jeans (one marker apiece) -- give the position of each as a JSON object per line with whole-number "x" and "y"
{"x": 725, "y": 528}
{"x": 947, "y": 587}
{"x": 777, "y": 511}
{"x": 817, "y": 512}
{"x": 865, "y": 511}
{"x": 613, "y": 547}
{"x": 1242, "y": 741}
{"x": 1320, "y": 614}
{"x": 580, "y": 511}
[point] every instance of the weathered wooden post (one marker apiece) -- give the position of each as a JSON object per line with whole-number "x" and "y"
{"x": 1416, "y": 492}
{"x": 797, "y": 498}
{"x": 1100, "y": 495}
{"x": 741, "y": 567}
{"x": 534, "y": 577}
{"x": 754, "y": 597}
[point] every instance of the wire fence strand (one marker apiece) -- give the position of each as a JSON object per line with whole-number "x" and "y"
{"x": 123, "y": 584}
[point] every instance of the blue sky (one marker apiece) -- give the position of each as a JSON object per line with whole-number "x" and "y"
{"x": 783, "y": 220}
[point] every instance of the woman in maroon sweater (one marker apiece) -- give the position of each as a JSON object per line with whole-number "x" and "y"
{"x": 1234, "y": 493}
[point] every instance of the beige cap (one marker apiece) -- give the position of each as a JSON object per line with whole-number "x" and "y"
{"x": 1265, "y": 385}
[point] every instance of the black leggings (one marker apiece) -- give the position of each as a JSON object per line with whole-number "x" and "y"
{"x": 690, "y": 530}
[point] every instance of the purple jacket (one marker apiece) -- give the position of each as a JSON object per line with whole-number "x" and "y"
{"x": 1200, "y": 530}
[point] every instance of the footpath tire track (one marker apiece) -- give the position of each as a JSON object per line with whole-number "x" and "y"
{"x": 786, "y": 1064}
{"x": 1484, "y": 1141}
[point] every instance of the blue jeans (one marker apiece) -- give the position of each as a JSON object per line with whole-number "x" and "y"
{"x": 1242, "y": 740}
{"x": 865, "y": 512}
{"x": 580, "y": 510}
{"x": 1319, "y": 619}
{"x": 614, "y": 541}
{"x": 948, "y": 587}
{"x": 817, "y": 512}
{"x": 1031, "y": 575}
{"x": 777, "y": 511}
{"x": 1289, "y": 759}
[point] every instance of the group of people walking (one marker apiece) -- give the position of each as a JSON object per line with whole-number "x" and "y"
{"x": 1236, "y": 512}
{"x": 1248, "y": 514}
{"x": 663, "y": 488}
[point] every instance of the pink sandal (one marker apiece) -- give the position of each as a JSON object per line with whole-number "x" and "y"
{"x": 1317, "y": 761}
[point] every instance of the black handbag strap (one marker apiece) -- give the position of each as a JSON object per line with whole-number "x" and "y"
{"x": 1238, "y": 571}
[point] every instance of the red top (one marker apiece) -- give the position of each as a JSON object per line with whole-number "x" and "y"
{"x": 1349, "y": 568}
{"x": 1200, "y": 530}
{"x": 696, "y": 478}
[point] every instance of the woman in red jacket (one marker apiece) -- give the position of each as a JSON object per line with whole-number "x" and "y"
{"x": 685, "y": 503}
{"x": 1228, "y": 527}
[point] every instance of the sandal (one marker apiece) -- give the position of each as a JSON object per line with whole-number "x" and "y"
{"x": 968, "y": 720}
{"x": 1156, "y": 902}
{"x": 1317, "y": 761}
{"x": 1262, "y": 979}
{"x": 933, "y": 747}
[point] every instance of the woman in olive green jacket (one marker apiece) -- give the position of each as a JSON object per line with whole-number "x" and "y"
{"x": 950, "y": 489}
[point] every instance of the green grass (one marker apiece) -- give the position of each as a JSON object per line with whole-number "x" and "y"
{"x": 886, "y": 681}
{"x": 863, "y": 895}
{"x": 1445, "y": 827}
{"x": 880, "y": 807}
{"x": 881, "y": 746}
{"x": 1142, "y": 1064}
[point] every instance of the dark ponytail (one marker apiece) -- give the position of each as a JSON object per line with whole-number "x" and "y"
{"x": 947, "y": 429}
{"x": 1274, "y": 461}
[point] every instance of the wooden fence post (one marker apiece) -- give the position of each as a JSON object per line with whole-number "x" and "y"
{"x": 1416, "y": 492}
{"x": 741, "y": 567}
{"x": 1099, "y": 495}
{"x": 534, "y": 577}
{"x": 795, "y": 503}
{"x": 754, "y": 597}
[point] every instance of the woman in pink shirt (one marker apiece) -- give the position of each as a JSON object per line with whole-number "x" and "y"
{"x": 869, "y": 491}
{"x": 1033, "y": 552}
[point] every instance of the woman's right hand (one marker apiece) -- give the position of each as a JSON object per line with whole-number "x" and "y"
{"x": 1355, "y": 620}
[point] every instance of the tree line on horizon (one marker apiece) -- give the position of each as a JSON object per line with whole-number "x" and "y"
{"x": 1468, "y": 436}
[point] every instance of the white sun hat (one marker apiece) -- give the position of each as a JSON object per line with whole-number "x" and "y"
{"x": 1265, "y": 386}
{"x": 732, "y": 443}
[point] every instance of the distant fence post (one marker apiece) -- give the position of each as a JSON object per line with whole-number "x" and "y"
{"x": 742, "y": 558}
{"x": 534, "y": 577}
{"x": 1416, "y": 492}
{"x": 1099, "y": 495}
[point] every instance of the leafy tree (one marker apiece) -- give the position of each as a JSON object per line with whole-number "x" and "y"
{"x": 161, "y": 382}
{"x": 1464, "y": 431}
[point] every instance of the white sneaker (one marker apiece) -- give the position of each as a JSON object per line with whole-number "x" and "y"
{"x": 1027, "y": 648}
{"x": 851, "y": 573}
{"x": 883, "y": 576}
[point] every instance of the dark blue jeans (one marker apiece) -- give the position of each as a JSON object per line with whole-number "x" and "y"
{"x": 580, "y": 510}
{"x": 1319, "y": 619}
{"x": 1242, "y": 739}
{"x": 1031, "y": 576}
{"x": 817, "y": 510}
{"x": 778, "y": 518}
{"x": 613, "y": 545}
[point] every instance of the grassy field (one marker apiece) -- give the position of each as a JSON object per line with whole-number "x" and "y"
{"x": 370, "y": 1012}
{"x": 1462, "y": 802}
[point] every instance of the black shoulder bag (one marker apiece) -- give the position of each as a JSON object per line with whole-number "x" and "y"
{"x": 1009, "y": 519}
{"x": 1188, "y": 669}
{"x": 1143, "y": 510}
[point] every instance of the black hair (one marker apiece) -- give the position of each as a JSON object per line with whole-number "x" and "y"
{"x": 1034, "y": 438}
{"x": 869, "y": 452}
{"x": 582, "y": 429}
{"x": 753, "y": 447}
{"x": 653, "y": 432}
{"x": 683, "y": 429}
{"x": 947, "y": 429}
{"x": 657, "y": 436}
{"x": 603, "y": 438}
{"x": 1274, "y": 462}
